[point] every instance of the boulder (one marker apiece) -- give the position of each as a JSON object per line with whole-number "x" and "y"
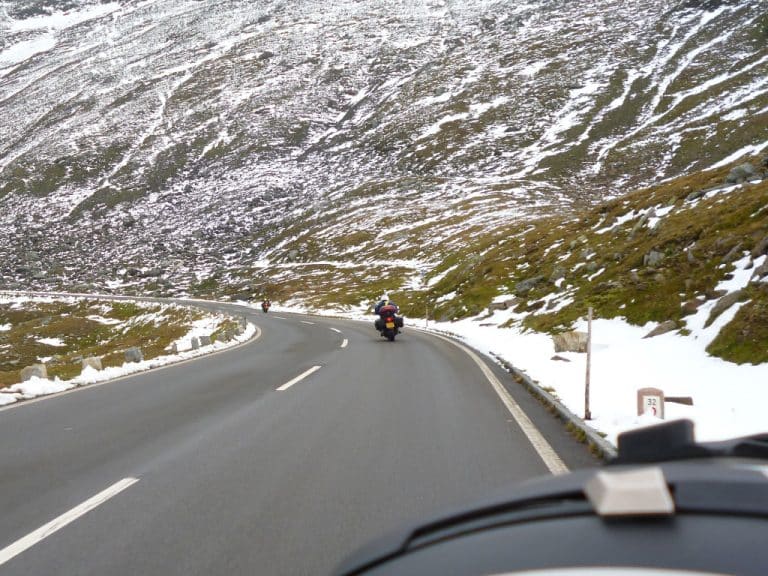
{"x": 493, "y": 306}
{"x": 760, "y": 272}
{"x": 205, "y": 340}
{"x": 570, "y": 342}
{"x": 557, "y": 274}
{"x": 133, "y": 354}
{"x": 695, "y": 195}
{"x": 760, "y": 248}
{"x": 194, "y": 343}
{"x": 640, "y": 223}
{"x": 522, "y": 288}
{"x": 91, "y": 362}
{"x": 723, "y": 304}
{"x": 733, "y": 253}
{"x": 663, "y": 328}
{"x": 35, "y": 370}
{"x": 691, "y": 307}
{"x": 741, "y": 173}
{"x": 653, "y": 258}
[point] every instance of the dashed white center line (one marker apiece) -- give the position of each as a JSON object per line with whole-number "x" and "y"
{"x": 344, "y": 343}
{"x": 280, "y": 317}
{"x": 298, "y": 378}
{"x": 336, "y": 330}
{"x": 57, "y": 524}
{"x": 305, "y": 322}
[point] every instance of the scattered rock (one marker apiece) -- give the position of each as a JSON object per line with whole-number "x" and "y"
{"x": 723, "y": 304}
{"x": 559, "y": 358}
{"x": 91, "y": 362}
{"x": 715, "y": 294}
{"x": 570, "y": 342}
{"x": 194, "y": 343}
{"x": 205, "y": 340}
{"x": 691, "y": 307}
{"x": 760, "y": 272}
{"x": 557, "y": 273}
{"x": 695, "y": 195}
{"x": 760, "y": 248}
{"x": 732, "y": 254}
{"x": 522, "y": 288}
{"x": 607, "y": 285}
{"x": 133, "y": 354}
{"x": 691, "y": 258}
{"x": 34, "y": 371}
{"x": 741, "y": 173}
{"x": 493, "y": 306}
{"x": 663, "y": 328}
{"x": 653, "y": 258}
{"x": 640, "y": 223}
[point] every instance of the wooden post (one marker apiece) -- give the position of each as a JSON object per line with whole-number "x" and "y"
{"x": 587, "y": 413}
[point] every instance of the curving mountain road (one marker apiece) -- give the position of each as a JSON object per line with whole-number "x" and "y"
{"x": 209, "y": 467}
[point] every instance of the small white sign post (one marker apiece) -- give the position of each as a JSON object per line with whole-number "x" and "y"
{"x": 587, "y": 412}
{"x": 650, "y": 400}
{"x": 423, "y": 274}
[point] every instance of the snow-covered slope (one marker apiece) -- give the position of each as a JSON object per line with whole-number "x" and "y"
{"x": 164, "y": 144}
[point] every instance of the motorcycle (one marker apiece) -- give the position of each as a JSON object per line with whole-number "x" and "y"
{"x": 265, "y": 306}
{"x": 389, "y": 323}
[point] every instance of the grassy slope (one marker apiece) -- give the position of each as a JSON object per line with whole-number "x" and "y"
{"x": 697, "y": 240}
{"x": 81, "y": 336}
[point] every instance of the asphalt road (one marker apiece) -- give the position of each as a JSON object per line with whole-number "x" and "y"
{"x": 222, "y": 473}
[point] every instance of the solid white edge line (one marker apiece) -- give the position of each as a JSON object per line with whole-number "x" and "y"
{"x": 298, "y": 378}
{"x": 552, "y": 461}
{"x": 344, "y": 343}
{"x": 57, "y": 524}
{"x": 336, "y": 330}
{"x": 280, "y": 317}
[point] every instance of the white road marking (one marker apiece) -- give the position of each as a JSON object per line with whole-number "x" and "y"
{"x": 299, "y": 378}
{"x": 280, "y": 317}
{"x": 57, "y": 524}
{"x": 542, "y": 447}
{"x": 336, "y": 330}
{"x": 305, "y": 322}
{"x": 344, "y": 343}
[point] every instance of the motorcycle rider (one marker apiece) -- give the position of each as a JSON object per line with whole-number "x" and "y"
{"x": 385, "y": 301}
{"x": 385, "y": 307}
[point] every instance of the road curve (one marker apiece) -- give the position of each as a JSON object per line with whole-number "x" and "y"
{"x": 278, "y": 457}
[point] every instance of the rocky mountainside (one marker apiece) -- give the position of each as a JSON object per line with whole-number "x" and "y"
{"x": 339, "y": 148}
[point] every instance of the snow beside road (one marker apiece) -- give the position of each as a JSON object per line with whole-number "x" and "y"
{"x": 729, "y": 400}
{"x": 35, "y": 386}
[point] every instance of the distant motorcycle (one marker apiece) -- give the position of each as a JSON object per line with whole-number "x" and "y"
{"x": 265, "y": 306}
{"x": 388, "y": 323}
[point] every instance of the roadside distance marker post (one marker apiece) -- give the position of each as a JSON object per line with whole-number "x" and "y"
{"x": 587, "y": 413}
{"x": 650, "y": 400}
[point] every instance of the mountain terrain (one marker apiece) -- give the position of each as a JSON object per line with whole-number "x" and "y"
{"x": 545, "y": 155}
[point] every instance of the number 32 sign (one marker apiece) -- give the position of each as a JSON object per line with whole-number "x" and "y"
{"x": 650, "y": 400}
